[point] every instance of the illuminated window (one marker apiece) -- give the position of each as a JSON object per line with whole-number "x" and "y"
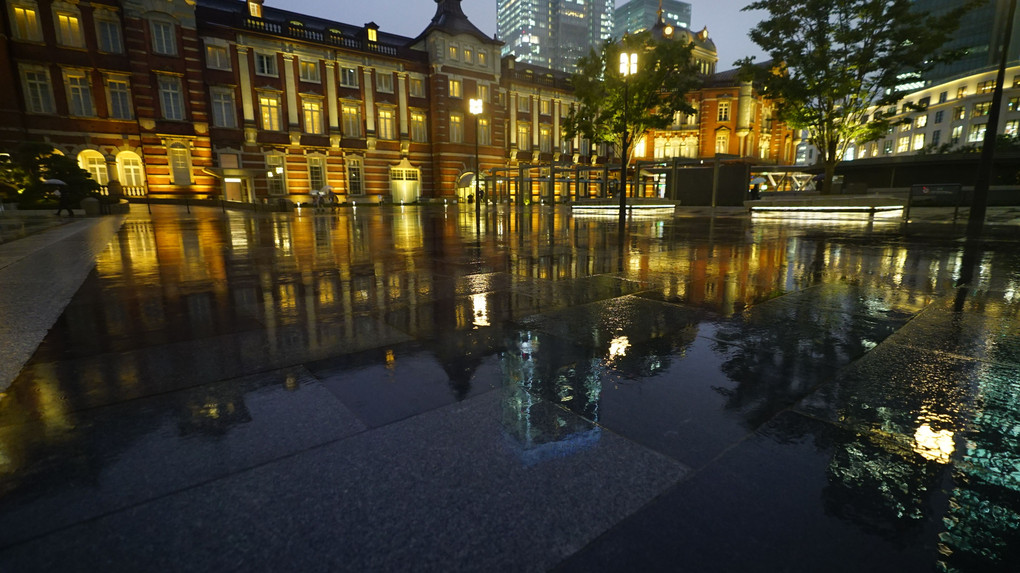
{"x": 957, "y": 134}
{"x": 132, "y": 174}
{"x": 119, "y": 94}
{"x": 545, "y": 139}
{"x": 981, "y": 109}
{"x": 959, "y": 112}
{"x": 269, "y": 110}
{"x": 69, "y": 30}
{"x": 308, "y": 71}
{"x": 171, "y": 98}
{"x": 977, "y": 133}
{"x": 453, "y": 52}
{"x": 26, "y": 23}
{"x": 918, "y": 142}
{"x": 481, "y": 58}
{"x": 1013, "y": 104}
{"x": 469, "y": 56}
{"x": 311, "y": 111}
{"x": 417, "y": 87}
{"x": 920, "y": 121}
{"x": 524, "y": 136}
{"x": 455, "y": 88}
{"x": 903, "y": 144}
{"x": 351, "y": 114}
{"x": 254, "y": 9}
{"x": 456, "y": 127}
{"x": 961, "y": 92}
{"x": 986, "y": 87}
{"x": 387, "y": 128}
{"x": 164, "y": 40}
{"x": 722, "y": 142}
{"x": 1011, "y": 129}
{"x": 95, "y": 163}
{"x": 724, "y": 111}
{"x": 419, "y": 127}
{"x": 482, "y": 92}
{"x": 484, "y": 131}
{"x": 223, "y": 110}
{"x": 373, "y": 35}
{"x": 544, "y": 107}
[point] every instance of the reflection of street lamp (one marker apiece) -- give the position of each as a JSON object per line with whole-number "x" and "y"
{"x": 628, "y": 67}
{"x": 476, "y": 110}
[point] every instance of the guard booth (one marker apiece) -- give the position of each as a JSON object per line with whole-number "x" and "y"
{"x": 721, "y": 181}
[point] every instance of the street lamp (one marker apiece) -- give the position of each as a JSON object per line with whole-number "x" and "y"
{"x": 475, "y": 106}
{"x": 628, "y": 67}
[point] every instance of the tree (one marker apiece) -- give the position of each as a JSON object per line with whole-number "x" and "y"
{"x": 23, "y": 171}
{"x": 666, "y": 73}
{"x": 835, "y": 59}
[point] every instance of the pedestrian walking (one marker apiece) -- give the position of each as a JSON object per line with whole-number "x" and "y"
{"x": 63, "y": 202}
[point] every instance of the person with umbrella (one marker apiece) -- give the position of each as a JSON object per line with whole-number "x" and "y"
{"x": 756, "y": 187}
{"x": 63, "y": 197}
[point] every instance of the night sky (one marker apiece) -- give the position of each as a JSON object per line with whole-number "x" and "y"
{"x": 727, "y": 25}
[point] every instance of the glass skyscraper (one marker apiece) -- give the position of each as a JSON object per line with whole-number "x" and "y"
{"x": 553, "y": 33}
{"x": 638, "y": 15}
{"x": 979, "y": 34}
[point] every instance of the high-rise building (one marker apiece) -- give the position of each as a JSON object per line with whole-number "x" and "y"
{"x": 553, "y": 33}
{"x": 638, "y": 15}
{"x": 979, "y": 35}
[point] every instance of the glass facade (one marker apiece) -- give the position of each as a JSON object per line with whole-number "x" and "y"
{"x": 551, "y": 33}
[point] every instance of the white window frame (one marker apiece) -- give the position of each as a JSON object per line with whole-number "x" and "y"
{"x": 311, "y": 113}
{"x": 119, "y": 99}
{"x": 25, "y": 25}
{"x": 456, "y": 127}
{"x": 270, "y": 111}
{"x": 722, "y": 141}
{"x": 109, "y": 38}
{"x": 223, "y": 107}
{"x": 523, "y": 103}
{"x": 276, "y": 173}
{"x": 416, "y": 87}
{"x": 355, "y": 184}
{"x": 482, "y": 91}
{"x": 387, "y": 124}
{"x": 78, "y": 84}
{"x": 349, "y": 77}
{"x": 723, "y": 111}
{"x": 67, "y": 24}
{"x": 384, "y": 82}
{"x": 484, "y": 131}
{"x": 351, "y": 122}
{"x": 419, "y": 126}
{"x": 456, "y": 89}
{"x": 164, "y": 37}
{"x": 171, "y": 97}
{"x": 217, "y": 57}
{"x": 266, "y": 65}
{"x": 38, "y": 88}
{"x": 308, "y": 71}
{"x": 317, "y": 162}
{"x": 179, "y": 159}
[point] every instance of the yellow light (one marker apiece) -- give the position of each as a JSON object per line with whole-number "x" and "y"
{"x": 936, "y": 446}
{"x": 475, "y": 106}
{"x": 618, "y": 347}
{"x": 669, "y": 30}
{"x": 372, "y": 35}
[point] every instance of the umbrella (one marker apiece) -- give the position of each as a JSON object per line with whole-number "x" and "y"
{"x": 758, "y": 181}
{"x": 53, "y": 182}
{"x": 818, "y": 177}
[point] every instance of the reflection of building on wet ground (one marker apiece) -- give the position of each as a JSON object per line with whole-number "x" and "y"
{"x": 380, "y": 380}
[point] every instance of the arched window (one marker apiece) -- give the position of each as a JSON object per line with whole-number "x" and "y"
{"x": 95, "y": 163}
{"x": 130, "y": 169}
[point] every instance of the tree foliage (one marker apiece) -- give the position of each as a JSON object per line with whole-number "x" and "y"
{"x": 834, "y": 59}
{"x": 24, "y": 170}
{"x": 666, "y": 74}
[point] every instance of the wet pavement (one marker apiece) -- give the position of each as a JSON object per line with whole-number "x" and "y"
{"x": 412, "y": 389}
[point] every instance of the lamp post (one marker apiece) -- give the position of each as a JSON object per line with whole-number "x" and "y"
{"x": 475, "y": 106}
{"x": 628, "y": 67}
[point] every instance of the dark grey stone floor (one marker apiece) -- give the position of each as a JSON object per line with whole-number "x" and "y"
{"x": 412, "y": 389}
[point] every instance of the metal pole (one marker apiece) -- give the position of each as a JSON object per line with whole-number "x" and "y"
{"x": 979, "y": 202}
{"x": 623, "y": 170}
{"x": 478, "y": 174}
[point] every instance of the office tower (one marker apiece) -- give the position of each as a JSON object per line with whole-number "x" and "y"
{"x": 979, "y": 34}
{"x": 553, "y": 33}
{"x": 638, "y": 15}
